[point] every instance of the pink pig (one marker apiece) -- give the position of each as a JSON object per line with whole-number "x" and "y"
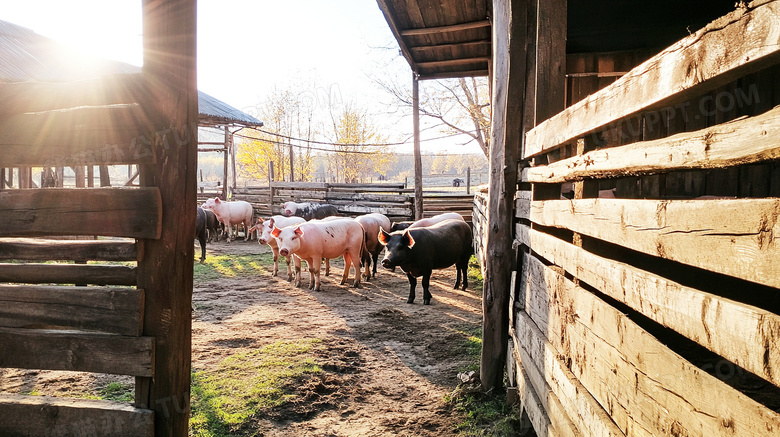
{"x": 231, "y": 213}
{"x": 264, "y": 229}
{"x": 312, "y": 241}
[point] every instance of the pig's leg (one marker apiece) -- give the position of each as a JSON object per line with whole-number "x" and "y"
{"x": 228, "y": 231}
{"x": 426, "y": 281}
{"x": 314, "y": 270}
{"x": 356, "y": 264}
{"x": 289, "y": 272}
{"x": 375, "y": 258}
{"x": 327, "y": 267}
{"x": 412, "y": 286}
{"x": 275, "y": 250}
{"x": 465, "y": 268}
{"x": 297, "y": 271}
{"x": 347, "y": 266}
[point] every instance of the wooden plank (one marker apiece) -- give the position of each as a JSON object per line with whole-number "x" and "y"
{"x": 60, "y": 417}
{"x": 76, "y": 351}
{"x": 735, "y": 44}
{"x": 444, "y": 29}
{"x": 68, "y": 274}
{"x": 109, "y": 310}
{"x": 79, "y": 136}
{"x": 743, "y": 334}
{"x": 575, "y": 403}
{"x": 299, "y": 185}
{"x": 743, "y": 141}
{"x": 114, "y": 212}
{"x": 736, "y": 237}
{"x": 531, "y": 402}
{"x": 67, "y": 250}
{"x": 165, "y": 273}
{"x": 647, "y": 388}
{"x": 25, "y": 97}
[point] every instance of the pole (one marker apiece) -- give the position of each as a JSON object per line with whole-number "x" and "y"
{"x": 292, "y": 167}
{"x": 468, "y": 180}
{"x": 418, "y": 200}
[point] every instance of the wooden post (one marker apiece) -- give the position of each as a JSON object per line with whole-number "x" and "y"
{"x": 418, "y": 197}
{"x": 232, "y": 158}
{"x": 90, "y": 176}
{"x": 271, "y": 186}
{"x": 468, "y": 180}
{"x": 226, "y": 152}
{"x": 165, "y": 265}
{"x": 2, "y": 178}
{"x": 105, "y": 177}
{"x": 79, "y": 170}
{"x": 292, "y": 165}
{"x": 509, "y": 70}
{"x": 60, "y": 176}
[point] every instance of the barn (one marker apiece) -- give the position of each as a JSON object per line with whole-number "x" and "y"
{"x": 629, "y": 235}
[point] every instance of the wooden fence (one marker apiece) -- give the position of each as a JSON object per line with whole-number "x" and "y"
{"x": 392, "y": 200}
{"x": 645, "y": 301}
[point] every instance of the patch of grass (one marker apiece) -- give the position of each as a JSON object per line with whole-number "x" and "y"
{"x": 231, "y": 266}
{"x": 116, "y": 391}
{"x": 225, "y": 401}
{"x": 475, "y": 275}
{"x": 484, "y": 415}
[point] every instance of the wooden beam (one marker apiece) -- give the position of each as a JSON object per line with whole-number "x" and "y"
{"x": 445, "y": 29}
{"x": 453, "y": 62}
{"x": 76, "y": 351}
{"x": 78, "y": 136}
{"x": 115, "y": 89}
{"x": 649, "y": 389}
{"x": 453, "y": 46}
{"x": 743, "y": 334}
{"x": 550, "y": 76}
{"x": 744, "y": 141}
{"x": 67, "y": 250}
{"x": 732, "y": 237}
{"x": 165, "y": 272}
{"x": 53, "y": 416}
{"x": 693, "y": 66}
{"x": 418, "y": 189}
{"x": 452, "y": 74}
{"x": 109, "y": 310}
{"x": 67, "y": 274}
{"x": 507, "y": 107}
{"x": 114, "y": 212}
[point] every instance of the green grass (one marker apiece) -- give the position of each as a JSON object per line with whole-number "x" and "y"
{"x": 475, "y": 275}
{"x": 484, "y": 415}
{"x": 231, "y": 266}
{"x": 226, "y": 401}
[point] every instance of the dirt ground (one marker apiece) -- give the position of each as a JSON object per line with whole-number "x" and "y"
{"x": 387, "y": 364}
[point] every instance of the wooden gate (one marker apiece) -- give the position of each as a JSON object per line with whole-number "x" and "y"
{"x": 648, "y": 276}
{"x": 131, "y": 318}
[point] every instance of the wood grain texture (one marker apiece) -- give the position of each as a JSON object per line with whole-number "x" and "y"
{"x": 114, "y": 212}
{"x": 736, "y": 237}
{"x": 76, "y": 351}
{"x": 67, "y": 274}
{"x": 35, "y": 249}
{"x": 646, "y": 387}
{"x": 102, "y": 309}
{"x": 743, "y": 334}
{"x": 743, "y": 141}
{"x": 695, "y": 64}
{"x": 61, "y": 417}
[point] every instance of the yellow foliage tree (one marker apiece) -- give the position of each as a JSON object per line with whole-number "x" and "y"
{"x": 358, "y": 151}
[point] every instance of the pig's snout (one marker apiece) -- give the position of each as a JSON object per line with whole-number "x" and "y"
{"x": 284, "y": 252}
{"x": 386, "y": 263}
{"x": 262, "y": 241}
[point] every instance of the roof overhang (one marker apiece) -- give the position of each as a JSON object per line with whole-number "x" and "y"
{"x": 450, "y": 40}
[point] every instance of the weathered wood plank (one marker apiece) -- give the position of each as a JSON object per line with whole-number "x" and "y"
{"x": 67, "y": 250}
{"x": 743, "y": 334}
{"x": 736, "y": 237}
{"x": 743, "y": 141}
{"x": 109, "y": 310}
{"x": 76, "y": 351}
{"x": 68, "y": 274}
{"x": 576, "y": 404}
{"x": 734, "y": 44}
{"x": 530, "y": 401}
{"x": 645, "y": 386}
{"x": 115, "y": 212}
{"x": 60, "y": 417}
{"x": 79, "y": 136}
{"x": 25, "y": 97}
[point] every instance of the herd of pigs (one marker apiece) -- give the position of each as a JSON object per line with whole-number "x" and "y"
{"x": 315, "y": 232}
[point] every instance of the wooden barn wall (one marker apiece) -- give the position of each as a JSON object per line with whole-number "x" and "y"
{"x": 118, "y": 301}
{"x": 646, "y": 299}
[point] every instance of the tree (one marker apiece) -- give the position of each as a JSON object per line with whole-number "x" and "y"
{"x": 357, "y": 145}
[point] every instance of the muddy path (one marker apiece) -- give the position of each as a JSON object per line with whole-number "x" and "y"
{"x": 387, "y": 364}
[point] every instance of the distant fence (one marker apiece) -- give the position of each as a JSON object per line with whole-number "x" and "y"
{"x": 390, "y": 199}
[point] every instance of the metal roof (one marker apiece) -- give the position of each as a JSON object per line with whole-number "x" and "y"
{"x": 27, "y": 56}
{"x": 442, "y": 39}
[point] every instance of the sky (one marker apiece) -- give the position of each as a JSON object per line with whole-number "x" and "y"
{"x": 246, "y": 48}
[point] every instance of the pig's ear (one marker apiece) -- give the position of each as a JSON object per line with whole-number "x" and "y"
{"x": 260, "y": 220}
{"x": 383, "y": 236}
{"x": 270, "y": 222}
{"x": 298, "y": 231}
{"x": 276, "y": 231}
{"x": 216, "y": 200}
{"x": 408, "y": 235}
